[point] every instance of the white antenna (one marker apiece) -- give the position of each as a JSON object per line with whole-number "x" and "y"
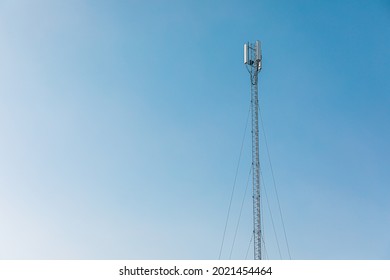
{"x": 252, "y": 59}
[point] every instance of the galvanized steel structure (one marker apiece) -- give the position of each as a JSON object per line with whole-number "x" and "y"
{"x": 252, "y": 59}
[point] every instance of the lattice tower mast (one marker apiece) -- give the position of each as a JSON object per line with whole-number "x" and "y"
{"x": 252, "y": 59}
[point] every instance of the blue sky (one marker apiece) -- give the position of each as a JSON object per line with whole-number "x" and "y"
{"x": 121, "y": 124}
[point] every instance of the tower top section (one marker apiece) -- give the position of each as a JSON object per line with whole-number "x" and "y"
{"x": 252, "y": 55}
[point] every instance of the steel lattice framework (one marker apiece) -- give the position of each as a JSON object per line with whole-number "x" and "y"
{"x": 252, "y": 58}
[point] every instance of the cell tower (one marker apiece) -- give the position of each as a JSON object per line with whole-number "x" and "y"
{"x": 252, "y": 59}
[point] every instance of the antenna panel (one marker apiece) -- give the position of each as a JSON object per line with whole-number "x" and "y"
{"x": 246, "y": 53}
{"x": 258, "y": 51}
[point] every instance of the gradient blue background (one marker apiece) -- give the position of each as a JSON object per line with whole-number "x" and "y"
{"x": 121, "y": 124}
